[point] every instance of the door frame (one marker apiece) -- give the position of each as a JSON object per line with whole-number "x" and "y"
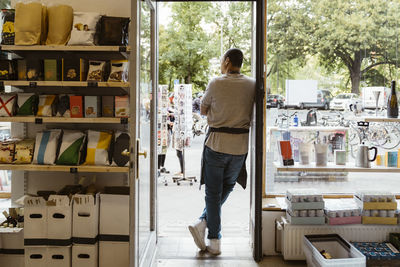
{"x": 259, "y": 153}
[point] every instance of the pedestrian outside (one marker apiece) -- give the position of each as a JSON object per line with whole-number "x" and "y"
{"x": 228, "y": 104}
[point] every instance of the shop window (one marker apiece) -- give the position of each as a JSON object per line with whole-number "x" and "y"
{"x": 328, "y": 69}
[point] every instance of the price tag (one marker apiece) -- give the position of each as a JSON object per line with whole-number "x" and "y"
{"x": 33, "y": 84}
{"x": 124, "y": 120}
{"x": 38, "y": 121}
{"x": 93, "y": 84}
{"x": 122, "y": 49}
{"x": 73, "y": 170}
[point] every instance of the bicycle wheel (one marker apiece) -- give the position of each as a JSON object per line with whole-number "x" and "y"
{"x": 392, "y": 137}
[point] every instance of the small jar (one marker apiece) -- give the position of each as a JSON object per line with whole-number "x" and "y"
{"x": 367, "y": 213}
{"x": 340, "y": 213}
{"x": 374, "y": 213}
{"x": 311, "y": 213}
{"x": 391, "y": 213}
{"x": 303, "y": 213}
{"x": 320, "y": 213}
{"x": 347, "y": 213}
{"x": 383, "y": 213}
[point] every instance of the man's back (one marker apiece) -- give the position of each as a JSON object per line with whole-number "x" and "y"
{"x": 229, "y": 100}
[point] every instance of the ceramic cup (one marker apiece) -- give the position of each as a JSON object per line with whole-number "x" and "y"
{"x": 321, "y": 154}
{"x": 340, "y": 157}
{"x": 392, "y": 159}
{"x": 380, "y": 160}
{"x": 305, "y": 152}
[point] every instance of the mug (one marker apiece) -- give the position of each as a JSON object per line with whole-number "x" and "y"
{"x": 321, "y": 154}
{"x": 380, "y": 160}
{"x": 305, "y": 151}
{"x": 340, "y": 157}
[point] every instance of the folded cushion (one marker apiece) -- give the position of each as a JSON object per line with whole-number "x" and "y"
{"x": 46, "y": 147}
{"x": 71, "y": 146}
{"x": 97, "y": 148}
{"x": 24, "y": 151}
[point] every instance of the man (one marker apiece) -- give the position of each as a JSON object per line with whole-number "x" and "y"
{"x": 228, "y": 105}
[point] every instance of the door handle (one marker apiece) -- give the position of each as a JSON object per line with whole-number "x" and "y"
{"x": 143, "y": 154}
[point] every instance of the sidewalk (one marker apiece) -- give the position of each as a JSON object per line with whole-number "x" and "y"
{"x": 179, "y": 206}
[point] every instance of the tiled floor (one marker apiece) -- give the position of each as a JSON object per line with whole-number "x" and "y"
{"x": 236, "y": 252}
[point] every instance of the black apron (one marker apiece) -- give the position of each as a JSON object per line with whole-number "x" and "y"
{"x": 242, "y": 178}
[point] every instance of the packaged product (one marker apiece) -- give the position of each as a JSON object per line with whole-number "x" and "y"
{"x": 24, "y": 151}
{"x": 7, "y": 150}
{"x": 92, "y": 106}
{"x": 34, "y": 69}
{"x": 74, "y": 69}
{"x": 76, "y": 106}
{"x": 30, "y": 23}
{"x": 119, "y": 71}
{"x": 52, "y": 70}
{"x": 121, "y": 145}
{"x": 107, "y": 106}
{"x": 8, "y": 33}
{"x": 7, "y": 70}
{"x": 47, "y": 105}
{"x": 7, "y": 105}
{"x": 98, "y": 147}
{"x": 46, "y": 146}
{"x": 27, "y": 104}
{"x": 21, "y": 65}
{"x": 60, "y": 19}
{"x": 121, "y": 106}
{"x": 63, "y": 106}
{"x": 84, "y": 28}
{"x": 71, "y": 147}
{"x": 112, "y": 31}
{"x": 96, "y": 71}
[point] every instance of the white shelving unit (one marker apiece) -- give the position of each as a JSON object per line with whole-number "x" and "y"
{"x": 41, "y": 120}
{"x": 65, "y": 84}
{"x": 66, "y": 48}
{"x": 349, "y": 167}
{"x": 378, "y": 119}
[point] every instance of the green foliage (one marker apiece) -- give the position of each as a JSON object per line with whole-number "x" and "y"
{"x": 190, "y": 46}
{"x": 355, "y": 35}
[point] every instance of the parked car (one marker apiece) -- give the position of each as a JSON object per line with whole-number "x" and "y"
{"x": 275, "y": 101}
{"x": 324, "y": 98}
{"x": 344, "y": 100}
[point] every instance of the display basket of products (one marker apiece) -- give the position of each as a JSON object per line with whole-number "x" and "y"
{"x": 342, "y": 211}
{"x": 331, "y": 250}
{"x": 377, "y": 207}
{"x": 379, "y": 254}
{"x": 305, "y": 206}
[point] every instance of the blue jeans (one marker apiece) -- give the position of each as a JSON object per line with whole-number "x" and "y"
{"x": 220, "y": 173}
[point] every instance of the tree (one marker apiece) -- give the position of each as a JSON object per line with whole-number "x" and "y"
{"x": 358, "y": 35}
{"x": 184, "y": 46}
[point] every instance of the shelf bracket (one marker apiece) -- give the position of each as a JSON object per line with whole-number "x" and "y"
{"x": 2, "y": 86}
{"x": 122, "y": 49}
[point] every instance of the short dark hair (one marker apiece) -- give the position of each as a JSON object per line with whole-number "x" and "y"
{"x": 235, "y": 56}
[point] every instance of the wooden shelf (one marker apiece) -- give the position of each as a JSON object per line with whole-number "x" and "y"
{"x": 66, "y": 48}
{"x": 61, "y": 168}
{"x": 308, "y": 129}
{"x": 40, "y": 120}
{"x": 334, "y": 168}
{"x": 65, "y": 84}
{"x": 378, "y": 119}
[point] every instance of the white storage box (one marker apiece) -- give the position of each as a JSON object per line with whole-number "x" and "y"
{"x": 342, "y": 252}
{"x": 35, "y": 218}
{"x": 85, "y": 255}
{"x": 12, "y": 260}
{"x": 115, "y": 254}
{"x": 12, "y": 238}
{"x": 36, "y": 256}
{"x": 59, "y": 217}
{"x": 59, "y": 257}
{"x": 114, "y": 214}
{"x": 85, "y": 222}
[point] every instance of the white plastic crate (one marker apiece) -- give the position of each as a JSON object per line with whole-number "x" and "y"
{"x": 343, "y": 253}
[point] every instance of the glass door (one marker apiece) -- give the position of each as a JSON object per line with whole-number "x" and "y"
{"x": 142, "y": 126}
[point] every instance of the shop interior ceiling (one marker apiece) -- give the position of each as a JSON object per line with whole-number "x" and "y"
{"x": 119, "y": 8}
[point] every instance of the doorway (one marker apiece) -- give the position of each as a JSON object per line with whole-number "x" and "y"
{"x": 180, "y": 205}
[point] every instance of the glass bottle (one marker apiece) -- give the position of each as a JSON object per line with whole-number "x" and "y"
{"x": 392, "y": 105}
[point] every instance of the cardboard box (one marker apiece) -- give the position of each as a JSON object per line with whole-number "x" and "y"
{"x": 85, "y": 222}
{"x": 107, "y": 106}
{"x": 344, "y": 220}
{"x": 85, "y": 255}
{"x": 35, "y": 218}
{"x": 59, "y": 218}
{"x": 379, "y": 220}
{"x": 74, "y": 69}
{"x": 122, "y": 106}
{"x": 92, "y": 106}
{"x": 305, "y": 220}
{"x": 376, "y": 205}
{"x": 115, "y": 254}
{"x": 305, "y": 205}
{"x": 11, "y": 238}
{"x": 114, "y": 208}
{"x": 52, "y": 70}
{"x": 12, "y": 260}
{"x": 21, "y": 65}
{"x": 36, "y": 256}
{"x": 76, "y": 106}
{"x": 59, "y": 257}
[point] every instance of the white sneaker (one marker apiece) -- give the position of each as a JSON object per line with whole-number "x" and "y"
{"x": 214, "y": 246}
{"x": 198, "y": 231}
